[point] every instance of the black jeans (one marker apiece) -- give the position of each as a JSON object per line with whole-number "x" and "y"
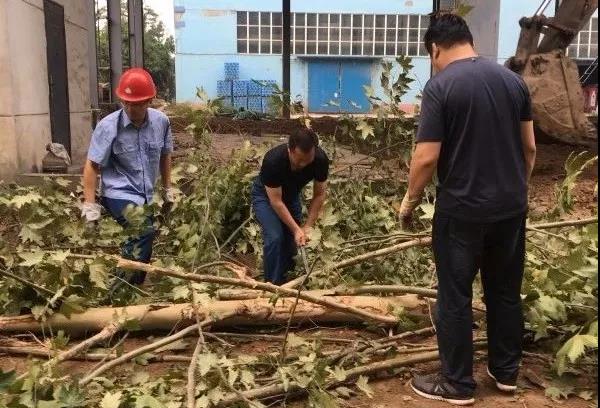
{"x": 497, "y": 249}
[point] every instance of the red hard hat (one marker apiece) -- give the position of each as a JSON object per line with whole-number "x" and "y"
{"x": 136, "y": 85}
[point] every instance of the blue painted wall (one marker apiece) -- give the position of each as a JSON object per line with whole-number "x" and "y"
{"x": 208, "y": 39}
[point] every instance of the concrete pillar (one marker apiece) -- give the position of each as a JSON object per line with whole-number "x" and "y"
{"x": 483, "y": 21}
{"x": 8, "y": 137}
{"x": 114, "y": 44}
{"x": 92, "y": 53}
{"x": 136, "y": 33}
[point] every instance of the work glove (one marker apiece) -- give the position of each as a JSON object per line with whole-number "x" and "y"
{"x": 91, "y": 211}
{"x": 407, "y": 207}
{"x": 170, "y": 195}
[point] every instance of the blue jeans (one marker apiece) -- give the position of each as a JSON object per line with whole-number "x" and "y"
{"x": 137, "y": 248}
{"x": 279, "y": 247}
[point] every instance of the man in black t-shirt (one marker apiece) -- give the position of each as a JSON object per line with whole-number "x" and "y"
{"x": 476, "y": 128}
{"x": 285, "y": 170}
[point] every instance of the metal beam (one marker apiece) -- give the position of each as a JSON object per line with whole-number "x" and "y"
{"x": 136, "y": 32}
{"x": 92, "y": 59}
{"x": 286, "y": 48}
{"x": 114, "y": 44}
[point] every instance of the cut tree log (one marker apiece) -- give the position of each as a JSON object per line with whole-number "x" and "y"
{"x": 251, "y": 312}
{"x": 252, "y": 284}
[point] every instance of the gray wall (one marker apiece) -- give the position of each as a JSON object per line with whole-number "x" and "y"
{"x": 24, "y": 106}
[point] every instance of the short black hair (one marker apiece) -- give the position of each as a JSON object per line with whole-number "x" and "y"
{"x": 447, "y": 30}
{"x": 304, "y": 138}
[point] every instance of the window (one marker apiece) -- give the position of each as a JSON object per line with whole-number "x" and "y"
{"x": 585, "y": 45}
{"x": 333, "y": 34}
{"x": 259, "y": 32}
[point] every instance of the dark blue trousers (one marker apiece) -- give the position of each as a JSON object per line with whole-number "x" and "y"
{"x": 138, "y": 248}
{"x": 497, "y": 250}
{"x": 279, "y": 247}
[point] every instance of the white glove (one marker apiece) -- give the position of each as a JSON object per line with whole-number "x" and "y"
{"x": 170, "y": 194}
{"x": 91, "y": 211}
{"x": 408, "y": 205}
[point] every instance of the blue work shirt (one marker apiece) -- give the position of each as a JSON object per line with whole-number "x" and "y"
{"x": 129, "y": 157}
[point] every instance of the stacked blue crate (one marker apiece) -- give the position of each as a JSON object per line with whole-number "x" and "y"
{"x": 240, "y": 88}
{"x": 240, "y": 102}
{"x": 255, "y": 88}
{"x": 268, "y": 88}
{"x": 254, "y": 104}
{"x": 224, "y": 91}
{"x": 232, "y": 71}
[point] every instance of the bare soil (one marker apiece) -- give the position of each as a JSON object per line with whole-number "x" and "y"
{"x": 389, "y": 390}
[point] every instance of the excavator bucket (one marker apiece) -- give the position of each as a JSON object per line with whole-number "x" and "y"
{"x": 557, "y": 98}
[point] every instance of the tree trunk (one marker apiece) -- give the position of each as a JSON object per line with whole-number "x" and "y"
{"x": 252, "y": 312}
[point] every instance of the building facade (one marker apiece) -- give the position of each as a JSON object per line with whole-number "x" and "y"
{"x": 44, "y": 81}
{"x": 337, "y": 46}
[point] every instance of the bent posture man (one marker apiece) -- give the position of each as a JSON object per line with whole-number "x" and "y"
{"x": 476, "y": 128}
{"x": 285, "y": 170}
{"x": 129, "y": 148}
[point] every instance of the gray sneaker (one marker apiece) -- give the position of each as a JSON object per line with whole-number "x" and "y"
{"x": 436, "y": 387}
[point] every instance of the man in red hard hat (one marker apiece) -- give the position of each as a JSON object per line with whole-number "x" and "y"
{"x": 129, "y": 148}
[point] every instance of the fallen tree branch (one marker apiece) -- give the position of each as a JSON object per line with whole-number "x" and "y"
{"x": 28, "y": 283}
{"x": 384, "y": 341}
{"x": 272, "y": 337}
{"x": 150, "y": 347}
{"x": 565, "y": 223}
{"x": 38, "y": 352}
{"x": 104, "y": 334}
{"x": 388, "y": 289}
{"x": 191, "y": 374}
{"x": 381, "y": 252}
{"x": 133, "y": 265}
{"x": 294, "y": 387}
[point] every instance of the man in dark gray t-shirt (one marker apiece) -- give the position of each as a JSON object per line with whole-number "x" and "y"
{"x": 476, "y": 129}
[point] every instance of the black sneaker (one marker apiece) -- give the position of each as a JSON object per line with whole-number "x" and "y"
{"x": 506, "y": 385}
{"x": 436, "y": 387}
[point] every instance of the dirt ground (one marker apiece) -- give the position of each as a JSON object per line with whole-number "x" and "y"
{"x": 393, "y": 391}
{"x": 390, "y": 390}
{"x": 548, "y": 172}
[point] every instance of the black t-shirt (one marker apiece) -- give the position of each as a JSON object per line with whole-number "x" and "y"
{"x": 276, "y": 171}
{"x": 474, "y": 107}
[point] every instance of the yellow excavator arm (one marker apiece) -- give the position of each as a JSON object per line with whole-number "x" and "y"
{"x": 552, "y": 77}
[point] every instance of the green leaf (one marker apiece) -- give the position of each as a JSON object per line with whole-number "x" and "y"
{"x": 294, "y": 341}
{"x": 202, "y": 402}
{"x": 72, "y": 305}
{"x": 59, "y": 256}
{"x": 339, "y": 373}
{"x": 363, "y": 384}
{"x": 181, "y": 292}
{"x": 99, "y": 275}
{"x": 6, "y": 379}
{"x": 63, "y": 182}
{"x": 147, "y": 401}
{"x": 207, "y": 361}
{"x": 365, "y": 129}
{"x": 111, "y": 400}
{"x": 31, "y": 258}
{"x": 59, "y": 341}
{"x": 29, "y": 235}
{"x": 215, "y": 395}
{"x": 20, "y": 200}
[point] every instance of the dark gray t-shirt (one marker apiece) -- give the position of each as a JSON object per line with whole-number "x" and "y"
{"x": 474, "y": 107}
